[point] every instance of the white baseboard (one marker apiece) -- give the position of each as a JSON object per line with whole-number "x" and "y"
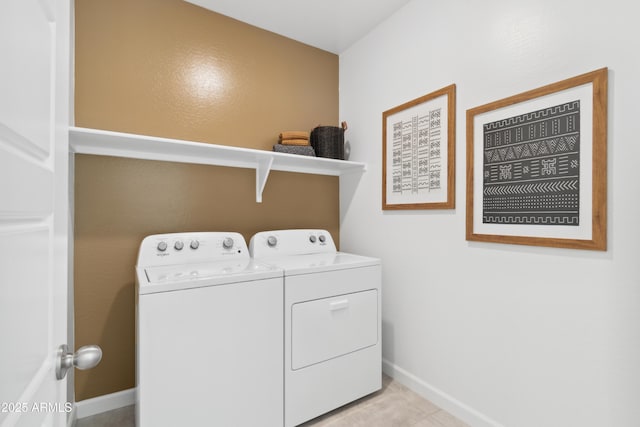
{"x": 438, "y": 397}
{"x": 97, "y": 405}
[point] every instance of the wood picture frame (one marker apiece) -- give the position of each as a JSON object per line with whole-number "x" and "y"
{"x": 537, "y": 166}
{"x": 418, "y": 152}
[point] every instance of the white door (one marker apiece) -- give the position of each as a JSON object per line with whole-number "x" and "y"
{"x": 34, "y": 209}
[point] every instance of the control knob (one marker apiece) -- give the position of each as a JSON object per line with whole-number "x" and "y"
{"x": 272, "y": 241}
{"x": 178, "y": 245}
{"x": 227, "y": 243}
{"x": 312, "y": 239}
{"x": 194, "y": 244}
{"x": 322, "y": 238}
{"x": 162, "y": 246}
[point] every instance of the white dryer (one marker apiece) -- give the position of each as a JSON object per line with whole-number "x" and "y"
{"x": 209, "y": 326}
{"x": 332, "y": 324}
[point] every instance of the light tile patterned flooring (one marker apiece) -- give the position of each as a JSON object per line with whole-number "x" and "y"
{"x": 393, "y": 406}
{"x": 121, "y": 417}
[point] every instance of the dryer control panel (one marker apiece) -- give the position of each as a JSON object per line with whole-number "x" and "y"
{"x": 291, "y": 242}
{"x": 188, "y": 248}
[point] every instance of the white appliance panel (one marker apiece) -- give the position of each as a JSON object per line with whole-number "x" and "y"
{"x": 188, "y": 248}
{"x": 314, "y": 263}
{"x": 332, "y": 324}
{"x": 194, "y": 271}
{"x": 331, "y": 327}
{"x": 321, "y": 387}
{"x": 281, "y": 243}
{"x": 203, "y": 345}
{"x": 187, "y": 276}
{"x": 307, "y": 287}
{"x": 209, "y": 332}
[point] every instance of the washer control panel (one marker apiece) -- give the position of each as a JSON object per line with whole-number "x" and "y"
{"x": 291, "y": 242}
{"x": 182, "y": 248}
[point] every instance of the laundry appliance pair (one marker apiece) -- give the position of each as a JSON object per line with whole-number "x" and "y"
{"x": 271, "y": 335}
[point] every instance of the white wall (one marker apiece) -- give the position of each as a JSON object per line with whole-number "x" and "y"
{"x": 500, "y": 334}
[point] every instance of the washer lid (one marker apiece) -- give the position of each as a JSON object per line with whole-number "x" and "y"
{"x": 313, "y": 263}
{"x": 195, "y": 275}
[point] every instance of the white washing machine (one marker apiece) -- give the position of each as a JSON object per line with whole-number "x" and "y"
{"x": 209, "y": 324}
{"x": 332, "y": 324}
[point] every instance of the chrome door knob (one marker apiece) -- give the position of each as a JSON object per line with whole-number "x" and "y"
{"x": 86, "y": 357}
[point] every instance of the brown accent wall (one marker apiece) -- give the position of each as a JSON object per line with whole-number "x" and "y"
{"x": 172, "y": 69}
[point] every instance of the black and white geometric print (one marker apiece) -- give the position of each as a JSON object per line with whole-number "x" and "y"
{"x": 532, "y": 168}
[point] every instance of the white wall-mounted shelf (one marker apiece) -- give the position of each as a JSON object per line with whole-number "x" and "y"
{"x": 107, "y": 143}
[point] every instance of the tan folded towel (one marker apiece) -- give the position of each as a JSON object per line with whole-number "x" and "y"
{"x": 294, "y": 142}
{"x": 294, "y": 134}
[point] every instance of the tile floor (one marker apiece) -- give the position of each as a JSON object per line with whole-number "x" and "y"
{"x": 393, "y": 406}
{"x": 121, "y": 417}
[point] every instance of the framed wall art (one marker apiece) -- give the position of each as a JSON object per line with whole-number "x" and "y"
{"x": 418, "y": 152}
{"x": 537, "y": 166}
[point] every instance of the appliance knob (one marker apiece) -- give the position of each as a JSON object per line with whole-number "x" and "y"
{"x": 322, "y": 238}
{"x": 272, "y": 241}
{"x": 178, "y": 245}
{"x": 162, "y": 246}
{"x": 194, "y": 244}
{"x": 312, "y": 239}
{"x": 227, "y": 243}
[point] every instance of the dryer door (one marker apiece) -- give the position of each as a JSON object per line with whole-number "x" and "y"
{"x": 326, "y": 328}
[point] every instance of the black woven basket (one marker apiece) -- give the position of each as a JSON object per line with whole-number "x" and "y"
{"x": 328, "y": 141}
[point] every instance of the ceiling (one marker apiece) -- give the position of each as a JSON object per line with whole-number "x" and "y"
{"x": 331, "y": 25}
